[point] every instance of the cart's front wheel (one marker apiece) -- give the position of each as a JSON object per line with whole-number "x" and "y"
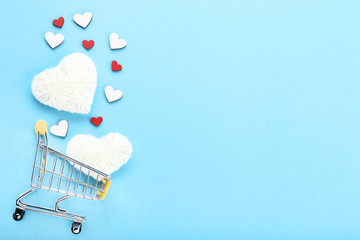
{"x": 76, "y": 227}
{"x": 18, "y": 214}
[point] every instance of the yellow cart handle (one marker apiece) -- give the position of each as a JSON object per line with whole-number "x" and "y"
{"x": 106, "y": 189}
{"x": 40, "y": 127}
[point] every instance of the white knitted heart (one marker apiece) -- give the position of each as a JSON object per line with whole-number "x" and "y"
{"x": 70, "y": 86}
{"x": 106, "y": 154}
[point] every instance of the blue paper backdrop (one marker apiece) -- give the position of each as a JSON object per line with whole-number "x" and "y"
{"x": 243, "y": 115}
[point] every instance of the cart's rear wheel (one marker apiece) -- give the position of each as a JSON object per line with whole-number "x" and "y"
{"x": 18, "y": 214}
{"x": 76, "y": 227}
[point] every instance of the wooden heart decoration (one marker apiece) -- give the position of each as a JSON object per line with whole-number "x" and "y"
{"x": 112, "y": 95}
{"x": 116, "y": 42}
{"x": 115, "y": 66}
{"x": 106, "y": 154}
{"x": 96, "y": 121}
{"x": 70, "y": 86}
{"x": 61, "y": 129}
{"x": 88, "y": 44}
{"x": 58, "y": 22}
{"x": 54, "y": 40}
{"x": 82, "y": 20}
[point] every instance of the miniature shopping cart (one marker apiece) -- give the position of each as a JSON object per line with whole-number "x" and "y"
{"x": 57, "y": 172}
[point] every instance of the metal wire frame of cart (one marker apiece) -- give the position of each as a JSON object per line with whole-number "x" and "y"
{"x": 54, "y": 171}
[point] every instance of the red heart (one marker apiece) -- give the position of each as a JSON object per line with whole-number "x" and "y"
{"x": 96, "y": 121}
{"x": 88, "y": 44}
{"x": 59, "y": 22}
{"x": 115, "y": 66}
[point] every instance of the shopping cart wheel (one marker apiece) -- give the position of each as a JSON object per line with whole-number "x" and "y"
{"x": 76, "y": 227}
{"x": 18, "y": 214}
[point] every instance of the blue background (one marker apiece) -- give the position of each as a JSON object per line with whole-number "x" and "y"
{"x": 243, "y": 115}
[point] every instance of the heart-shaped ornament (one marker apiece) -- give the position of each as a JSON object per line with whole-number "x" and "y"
{"x": 54, "y": 40}
{"x": 70, "y": 86}
{"x": 88, "y": 44}
{"x": 115, "y": 66}
{"x": 96, "y": 121}
{"x": 116, "y": 42}
{"x": 58, "y": 22}
{"x": 106, "y": 154}
{"x": 82, "y": 20}
{"x": 112, "y": 95}
{"x": 61, "y": 129}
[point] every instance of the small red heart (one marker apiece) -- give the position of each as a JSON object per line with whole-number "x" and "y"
{"x": 88, "y": 44}
{"x": 58, "y": 22}
{"x": 96, "y": 121}
{"x": 115, "y": 66}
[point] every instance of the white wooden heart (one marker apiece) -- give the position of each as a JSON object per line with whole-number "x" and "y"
{"x": 54, "y": 40}
{"x": 70, "y": 86}
{"x": 116, "y": 42}
{"x": 112, "y": 95}
{"x": 106, "y": 154}
{"x": 82, "y": 20}
{"x": 60, "y": 129}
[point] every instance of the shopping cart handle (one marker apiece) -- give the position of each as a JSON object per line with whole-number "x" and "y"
{"x": 40, "y": 127}
{"x": 107, "y": 184}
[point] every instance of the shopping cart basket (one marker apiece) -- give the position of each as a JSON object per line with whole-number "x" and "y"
{"x": 57, "y": 172}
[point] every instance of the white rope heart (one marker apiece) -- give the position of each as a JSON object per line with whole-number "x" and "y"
{"x": 70, "y": 86}
{"x": 106, "y": 154}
